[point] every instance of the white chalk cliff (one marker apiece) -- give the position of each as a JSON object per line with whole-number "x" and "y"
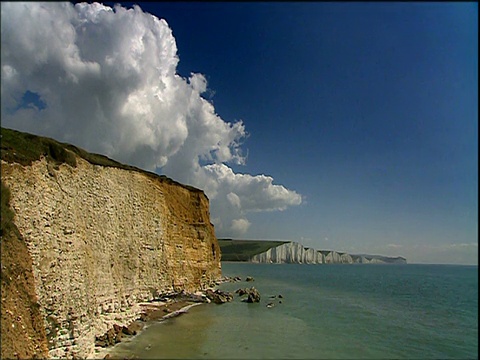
{"x": 295, "y": 253}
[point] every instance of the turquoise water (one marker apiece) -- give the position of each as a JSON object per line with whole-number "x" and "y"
{"x": 327, "y": 312}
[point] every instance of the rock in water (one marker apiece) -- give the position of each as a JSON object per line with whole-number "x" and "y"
{"x": 241, "y": 292}
{"x": 218, "y": 296}
{"x": 253, "y": 296}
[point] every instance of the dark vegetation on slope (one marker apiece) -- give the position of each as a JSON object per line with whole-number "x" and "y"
{"x": 243, "y": 250}
{"x": 24, "y": 148}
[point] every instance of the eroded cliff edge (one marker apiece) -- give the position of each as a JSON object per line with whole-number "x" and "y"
{"x": 102, "y": 239}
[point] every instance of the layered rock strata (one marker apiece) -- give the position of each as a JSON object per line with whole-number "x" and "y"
{"x": 102, "y": 240}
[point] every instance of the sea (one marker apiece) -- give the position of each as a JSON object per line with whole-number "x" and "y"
{"x": 364, "y": 311}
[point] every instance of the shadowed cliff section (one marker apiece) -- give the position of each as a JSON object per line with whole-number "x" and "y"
{"x": 22, "y": 331}
{"x": 85, "y": 240}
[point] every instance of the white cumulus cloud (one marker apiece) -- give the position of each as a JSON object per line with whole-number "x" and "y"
{"x": 240, "y": 226}
{"x": 107, "y": 79}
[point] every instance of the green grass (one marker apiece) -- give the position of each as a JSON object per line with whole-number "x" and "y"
{"x": 7, "y": 214}
{"x": 244, "y": 250}
{"x": 25, "y": 148}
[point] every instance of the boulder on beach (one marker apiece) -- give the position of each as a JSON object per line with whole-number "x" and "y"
{"x": 134, "y": 328}
{"x": 110, "y": 338}
{"x": 219, "y": 296}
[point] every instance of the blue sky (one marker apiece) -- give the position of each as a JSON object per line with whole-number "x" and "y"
{"x": 369, "y": 111}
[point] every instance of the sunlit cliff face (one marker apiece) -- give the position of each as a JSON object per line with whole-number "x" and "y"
{"x": 103, "y": 239}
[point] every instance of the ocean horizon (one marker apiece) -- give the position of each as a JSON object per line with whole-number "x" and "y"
{"x": 404, "y": 311}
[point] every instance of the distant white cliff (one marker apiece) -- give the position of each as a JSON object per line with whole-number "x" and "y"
{"x": 295, "y": 253}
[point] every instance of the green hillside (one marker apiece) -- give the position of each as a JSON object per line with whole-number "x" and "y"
{"x": 24, "y": 148}
{"x": 243, "y": 250}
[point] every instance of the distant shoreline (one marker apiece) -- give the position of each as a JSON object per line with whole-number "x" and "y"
{"x": 263, "y": 251}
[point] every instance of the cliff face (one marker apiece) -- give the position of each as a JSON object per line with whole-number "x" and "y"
{"x": 289, "y": 253}
{"x": 295, "y": 253}
{"x": 22, "y": 330}
{"x": 103, "y": 239}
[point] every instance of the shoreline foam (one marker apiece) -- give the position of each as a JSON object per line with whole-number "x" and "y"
{"x": 153, "y": 312}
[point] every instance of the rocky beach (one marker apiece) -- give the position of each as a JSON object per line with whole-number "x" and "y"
{"x": 170, "y": 305}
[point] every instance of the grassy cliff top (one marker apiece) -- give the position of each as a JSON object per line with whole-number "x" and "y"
{"x": 24, "y": 148}
{"x": 243, "y": 250}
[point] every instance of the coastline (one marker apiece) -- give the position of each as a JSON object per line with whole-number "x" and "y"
{"x": 163, "y": 308}
{"x": 153, "y": 312}
{"x": 326, "y": 312}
